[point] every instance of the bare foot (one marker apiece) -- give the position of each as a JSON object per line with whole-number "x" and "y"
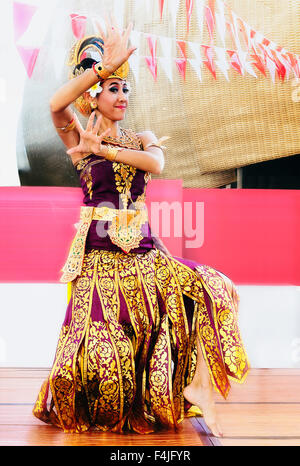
{"x": 202, "y": 397}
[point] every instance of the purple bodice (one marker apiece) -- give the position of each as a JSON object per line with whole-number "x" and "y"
{"x": 115, "y": 185}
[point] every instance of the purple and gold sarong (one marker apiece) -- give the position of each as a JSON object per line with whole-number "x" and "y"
{"x": 127, "y": 347}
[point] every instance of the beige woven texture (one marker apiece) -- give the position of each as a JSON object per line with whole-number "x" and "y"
{"x": 215, "y": 126}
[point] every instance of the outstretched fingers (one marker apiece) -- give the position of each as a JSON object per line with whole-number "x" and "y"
{"x": 90, "y": 123}
{"x": 96, "y": 127}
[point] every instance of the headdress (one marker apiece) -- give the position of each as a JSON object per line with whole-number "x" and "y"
{"x": 84, "y": 53}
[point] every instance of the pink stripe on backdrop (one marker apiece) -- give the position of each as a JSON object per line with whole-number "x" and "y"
{"x": 250, "y": 235}
{"x": 37, "y": 228}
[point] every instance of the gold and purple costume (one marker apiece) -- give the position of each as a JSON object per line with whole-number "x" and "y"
{"x": 127, "y": 347}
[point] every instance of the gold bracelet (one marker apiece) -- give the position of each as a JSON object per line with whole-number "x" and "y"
{"x": 69, "y": 126}
{"x": 112, "y": 153}
{"x": 100, "y": 71}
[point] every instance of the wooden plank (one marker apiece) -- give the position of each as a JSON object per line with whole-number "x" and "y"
{"x": 253, "y": 420}
{"x": 265, "y": 410}
{"x": 260, "y": 442}
{"x": 20, "y": 428}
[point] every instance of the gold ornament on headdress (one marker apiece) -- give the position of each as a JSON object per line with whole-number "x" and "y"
{"x": 75, "y": 58}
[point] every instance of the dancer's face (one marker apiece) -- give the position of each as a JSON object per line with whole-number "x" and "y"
{"x": 113, "y": 100}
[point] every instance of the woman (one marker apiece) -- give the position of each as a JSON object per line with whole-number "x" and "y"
{"x": 146, "y": 335}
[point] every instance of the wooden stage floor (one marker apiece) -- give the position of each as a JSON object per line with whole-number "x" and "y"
{"x": 264, "y": 411}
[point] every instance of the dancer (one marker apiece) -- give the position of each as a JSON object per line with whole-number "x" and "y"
{"x": 146, "y": 335}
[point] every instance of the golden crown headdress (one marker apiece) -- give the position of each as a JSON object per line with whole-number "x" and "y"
{"x": 90, "y": 47}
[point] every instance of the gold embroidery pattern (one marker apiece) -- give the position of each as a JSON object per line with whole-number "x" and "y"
{"x": 225, "y": 319}
{"x": 125, "y": 378}
{"x": 75, "y": 258}
{"x": 62, "y": 377}
{"x": 160, "y": 378}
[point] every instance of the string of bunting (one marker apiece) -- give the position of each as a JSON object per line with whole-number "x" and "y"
{"x": 252, "y": 52}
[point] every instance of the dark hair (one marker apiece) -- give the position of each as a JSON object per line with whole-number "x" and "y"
{"x": 86, "y": 63}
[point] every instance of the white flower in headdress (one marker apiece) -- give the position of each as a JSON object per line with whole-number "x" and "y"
{"x": 96, "y": 89}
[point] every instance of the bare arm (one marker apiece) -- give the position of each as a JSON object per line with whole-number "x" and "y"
{"x": 151, "y": 160}
{"x": 116, "y": 52}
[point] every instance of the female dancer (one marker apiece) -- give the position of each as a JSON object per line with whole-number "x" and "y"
{"x": 146, "y": 335}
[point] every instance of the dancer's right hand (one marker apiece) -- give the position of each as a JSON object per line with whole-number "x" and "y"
{"x": 116, "y": 50}
{"x": 90, "y": 139}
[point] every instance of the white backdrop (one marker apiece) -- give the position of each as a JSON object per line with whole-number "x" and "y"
{"x": 31, "y": 316}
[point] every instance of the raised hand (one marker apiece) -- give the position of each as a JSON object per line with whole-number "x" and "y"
{"x": 90, "y": 141}
{"x": 116, "y": 50}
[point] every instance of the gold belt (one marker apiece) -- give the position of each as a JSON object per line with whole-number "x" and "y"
{"x": 124, "y": 231}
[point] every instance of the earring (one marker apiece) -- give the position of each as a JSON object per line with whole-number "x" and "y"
{"x": 94, "y": 105}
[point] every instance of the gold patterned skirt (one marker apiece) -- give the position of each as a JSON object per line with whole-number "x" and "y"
{"x": 127, "y": 347}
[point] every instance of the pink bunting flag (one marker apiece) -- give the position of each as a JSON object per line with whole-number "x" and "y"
{"x": 181, "y": 62}
{"x": 182, "y": 47}
{"x": 294, "y": 62}
{"x": 152, "y": 61}
{"x": 189, "y": 9}
{"x": 208, "y": 51}
{"x": 212, "y": 7}
{"x": 181, "y": 65}
{"x": 259, "y": 63}
{"x": 235, "y": 61}
{"x": 78, "y": 25}
{"x": 161, "y": 7}
{"x": 28, "y": 56}
{"x": 210, "y": 22}
{"x": 22, "y": 15}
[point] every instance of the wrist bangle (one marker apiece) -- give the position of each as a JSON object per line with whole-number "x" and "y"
{"x": 101, "y": 72}
{"x": 69, "y": 126}
{"x": 112, "y": 153}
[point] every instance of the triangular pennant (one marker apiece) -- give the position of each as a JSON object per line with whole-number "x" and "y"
{"x": 281, "y": 67}
{"x": 152, "y": 43}
{"x": 38, "y": 27}
{"x": 210, "y": 22}
{"x": 246, "y": 65}
{"x": 166, "y": 45}
{"x": 152, "y": 65}
{"x": 181, "y": 65}
{"x": 134, "y": 63}
{"x": 28, "y": 57}
{"x": 196, "y": 65}
{"x": 78, "y": 25}
{"x": 222, "y": 61}
{"x": 212, "y": 7}
{"x": 167, "y": 65}
{"x": 182, "y": 47}
{"x": 195, "y": 47}
{"x": 259, "y": 63}
{"x": 235, "y": 62}
{"x": 272, "y": 61}
{"x": 235, "y": 30}
{"x": 161, "y": 7}
{"x": 173, "y": 8}
{"x": 200, "y": 17}
{"x": 294, "y": 63}
{"x": 271, "y": 67}
{"x": 22, "y": 15}
{"x": 208, "y": 51}
{"x": 245, "y": 29}
{"x": 221, "y": 21}
{"x": 189, "y": 9}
